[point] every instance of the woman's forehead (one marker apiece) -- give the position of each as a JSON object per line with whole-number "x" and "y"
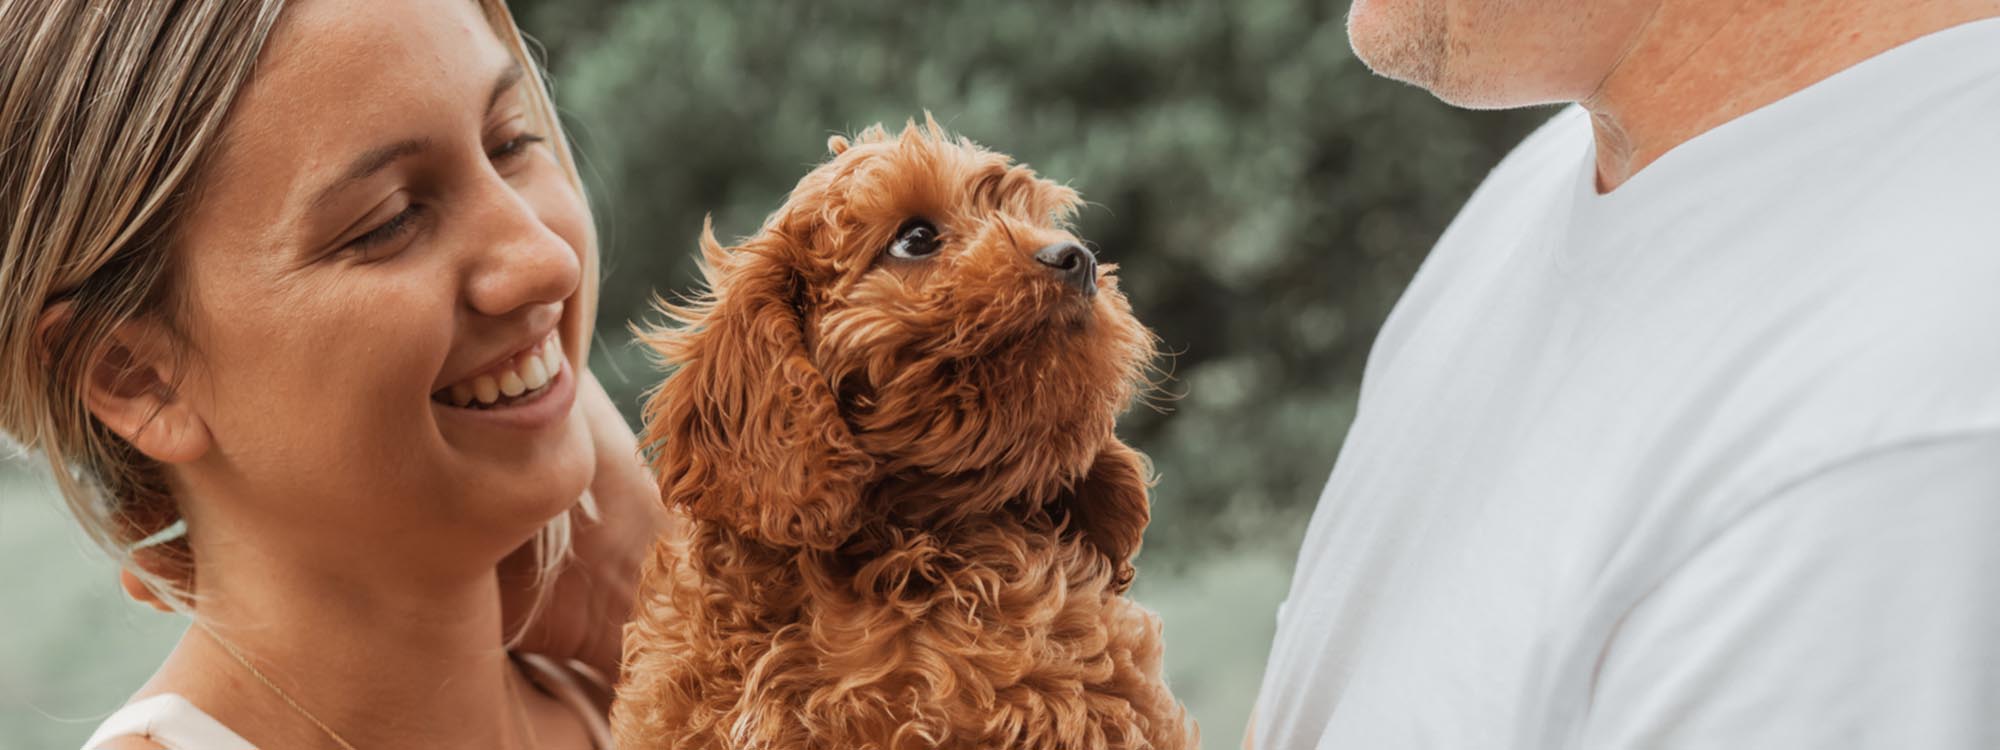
{"x": 341, "y": 78}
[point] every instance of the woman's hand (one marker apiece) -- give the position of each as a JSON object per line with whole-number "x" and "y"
{"x": 591, "y": 598}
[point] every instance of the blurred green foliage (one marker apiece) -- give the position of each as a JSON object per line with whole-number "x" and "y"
{"x": 1266, "y": 197}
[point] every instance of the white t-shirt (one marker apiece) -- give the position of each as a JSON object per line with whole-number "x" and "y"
{"x": 1712, "y": 461}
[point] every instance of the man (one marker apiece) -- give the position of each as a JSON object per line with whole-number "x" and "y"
{"x": 1687, "y": 434}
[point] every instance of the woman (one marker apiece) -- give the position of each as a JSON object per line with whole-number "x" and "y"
{"x": 312, "y": 282}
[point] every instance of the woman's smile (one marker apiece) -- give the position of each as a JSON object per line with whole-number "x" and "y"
{"x": 529, "y": 388}
{"x": 518, "y": 377}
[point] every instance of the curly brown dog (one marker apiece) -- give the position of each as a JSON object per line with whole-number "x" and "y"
{"x": 911, "y": 523}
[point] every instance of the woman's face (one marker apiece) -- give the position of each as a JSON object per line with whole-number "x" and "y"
{"x": 383, "y": 245}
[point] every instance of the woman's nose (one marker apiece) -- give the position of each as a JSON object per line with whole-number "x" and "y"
{"x": 518, "y": 260}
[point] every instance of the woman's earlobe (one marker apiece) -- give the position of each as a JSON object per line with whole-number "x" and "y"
{"x": 129, "y": 385}
{"x": 136, "y": 589}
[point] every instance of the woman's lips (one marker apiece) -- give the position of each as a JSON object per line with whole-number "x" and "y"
{"x": 519, "y": 380}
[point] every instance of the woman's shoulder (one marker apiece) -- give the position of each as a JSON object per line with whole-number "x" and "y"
{"x": 129, "y": 742}
{"x": 165, "y": 721}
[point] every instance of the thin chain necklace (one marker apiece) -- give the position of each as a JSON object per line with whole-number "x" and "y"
{"x": 520, "y": 706}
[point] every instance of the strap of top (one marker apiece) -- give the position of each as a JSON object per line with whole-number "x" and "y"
{"x": 577, "y": 686}
{"x": 169, "y": 720}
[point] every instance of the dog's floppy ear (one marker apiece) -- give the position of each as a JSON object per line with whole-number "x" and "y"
{"x": 746, "y": 432}
{"x": 1110, "y": 508}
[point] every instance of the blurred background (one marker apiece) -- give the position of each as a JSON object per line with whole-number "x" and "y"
{"x": 1266, "y": 197}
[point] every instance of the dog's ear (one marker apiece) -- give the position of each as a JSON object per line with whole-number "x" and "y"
{"x": 837, "y": 144}
{"x": 1109, "y": 506}
{"x": 746, "y": 432}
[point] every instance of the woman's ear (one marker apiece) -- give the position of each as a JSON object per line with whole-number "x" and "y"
{"x": 136, "y": 589}
{"x": 746, "y": 432}
{"x": 128, "y": 385}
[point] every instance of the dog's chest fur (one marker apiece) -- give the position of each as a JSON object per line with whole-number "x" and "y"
{"x": 996, "y": 634}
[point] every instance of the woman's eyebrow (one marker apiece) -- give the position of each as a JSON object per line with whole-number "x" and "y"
{"x": 374, "y": 160}
{"x": 506, "y": 80}
{"x": 377, "y": 159}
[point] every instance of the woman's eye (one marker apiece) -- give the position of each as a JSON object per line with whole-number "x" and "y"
{"x": 388, "y": 230}
{"x": 515, "y": 146}
{"x": 916, "y": 239}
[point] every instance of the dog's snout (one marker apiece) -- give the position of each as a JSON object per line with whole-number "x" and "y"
{"x": 1072, "y": 263}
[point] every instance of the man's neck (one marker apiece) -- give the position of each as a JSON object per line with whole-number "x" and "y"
{"x": 1697, "y": 64}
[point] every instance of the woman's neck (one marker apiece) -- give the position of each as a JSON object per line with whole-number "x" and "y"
{"x": 381, "y": 660}
{"x": 1700, "y": 63}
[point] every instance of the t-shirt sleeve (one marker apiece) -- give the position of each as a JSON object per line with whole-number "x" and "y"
{"x": 1857, "y": 608}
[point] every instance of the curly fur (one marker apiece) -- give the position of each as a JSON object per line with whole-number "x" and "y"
{"x": 912, "y": 523}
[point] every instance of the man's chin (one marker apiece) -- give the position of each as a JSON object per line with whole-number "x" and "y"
{"x": 1402, "y": 40}
{"x": 1409, "y": 41}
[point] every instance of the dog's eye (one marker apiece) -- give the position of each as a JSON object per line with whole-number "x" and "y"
{"x": 916, "y": 239}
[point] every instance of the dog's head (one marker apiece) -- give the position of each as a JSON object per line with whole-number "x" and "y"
{"x": 915, "y": 335}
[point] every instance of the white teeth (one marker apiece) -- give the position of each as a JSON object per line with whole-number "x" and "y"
{"x": 486, "y": 389}
{"x": 532, "y": 371}
{"x": 535, "y": 374}
{"x": 552, "y": 357}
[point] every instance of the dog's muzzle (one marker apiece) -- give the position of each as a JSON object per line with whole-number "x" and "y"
{"x": 1071, "y": 263}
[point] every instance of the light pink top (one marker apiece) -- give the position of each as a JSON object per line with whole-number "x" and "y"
{"x": 171, "y": 721}
{"x": 176, "y": 724}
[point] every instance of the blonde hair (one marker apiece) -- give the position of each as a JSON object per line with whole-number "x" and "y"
{"x": 108, "y": 111}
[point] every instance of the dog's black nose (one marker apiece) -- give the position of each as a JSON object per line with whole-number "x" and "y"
{"x": 1072, "y": 263}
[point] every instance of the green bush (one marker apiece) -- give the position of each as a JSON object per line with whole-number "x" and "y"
{"x": 1266, "y": 196}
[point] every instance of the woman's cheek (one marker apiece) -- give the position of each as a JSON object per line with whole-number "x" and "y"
{"x": 346, "y": 375}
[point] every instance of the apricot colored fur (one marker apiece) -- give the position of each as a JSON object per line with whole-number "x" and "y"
{"x": 911, "y": 523}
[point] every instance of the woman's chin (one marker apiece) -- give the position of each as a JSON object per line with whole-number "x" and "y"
{"x": 519, "y": 488}
{"x": 534, "y": 449}
{"x": 552, "y": 484}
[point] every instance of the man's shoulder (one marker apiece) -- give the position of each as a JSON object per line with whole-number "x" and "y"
{"x": 1927, "y": 166}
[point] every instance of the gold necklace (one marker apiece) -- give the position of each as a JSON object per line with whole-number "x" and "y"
{"x": 520, "y": 706}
